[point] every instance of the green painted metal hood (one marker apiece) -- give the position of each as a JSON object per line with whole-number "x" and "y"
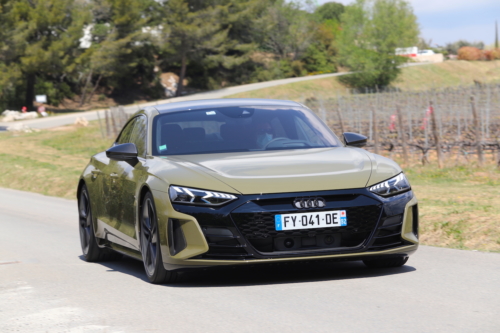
{"x": 286, "y": 170}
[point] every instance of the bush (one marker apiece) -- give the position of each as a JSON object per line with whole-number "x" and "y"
{"x": 491, "y": 54}
{"x": 472, "y": 53}
{"x": 316, "y": 59}
{"x": 55, "y": 92}
{"x": 469, "y": 53}
{"x": 453, "y": 48}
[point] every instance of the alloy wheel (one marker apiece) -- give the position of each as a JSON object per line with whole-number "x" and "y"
{"x": 149, "y": 239}
{"x": 85, "y": 221}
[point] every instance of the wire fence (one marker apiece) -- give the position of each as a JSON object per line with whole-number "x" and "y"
{"x": 462, "y": 123}
{"x": 114, "y": 119}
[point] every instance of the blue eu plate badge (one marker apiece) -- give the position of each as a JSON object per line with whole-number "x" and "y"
{"x": 278, "y": 223}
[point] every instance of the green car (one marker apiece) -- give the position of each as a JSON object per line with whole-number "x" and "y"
{"x": 242, "y": 181}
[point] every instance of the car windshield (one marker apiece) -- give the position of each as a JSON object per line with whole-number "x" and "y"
{"x": 235, "y": 129}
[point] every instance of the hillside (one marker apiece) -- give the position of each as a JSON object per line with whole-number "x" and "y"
{"x": 446, "y": 74}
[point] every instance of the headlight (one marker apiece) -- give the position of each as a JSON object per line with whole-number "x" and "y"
{"x": 391, "y": 186}
{"x": 198, "y": 197}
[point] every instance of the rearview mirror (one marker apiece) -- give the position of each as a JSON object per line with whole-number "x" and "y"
{"x": 122, "y": 152}
{"x": 355, "y": 139}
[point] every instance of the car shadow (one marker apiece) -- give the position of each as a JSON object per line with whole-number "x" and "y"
{"x": 288, "y": 273}
{"x": 262, "y": 274}
{"x": 125, "y": 265}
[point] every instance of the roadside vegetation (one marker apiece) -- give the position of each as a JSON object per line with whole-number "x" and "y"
{"x": 459, "y": 205}
{"x": 106, "y": 52}
{"x": 415, "y": 78}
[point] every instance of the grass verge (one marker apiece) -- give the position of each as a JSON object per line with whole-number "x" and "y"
{"x": 445, "y": 74}
{"x": 459, "y": 206}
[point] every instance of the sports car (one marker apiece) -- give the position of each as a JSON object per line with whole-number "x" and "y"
{"x": 205, "y": 183}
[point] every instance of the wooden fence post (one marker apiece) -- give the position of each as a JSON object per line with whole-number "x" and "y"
{"x": 113, "y": 122}
{"x": 108, "y": 130}
{"x": 435, "y": 133}
{"x": 339, "y": 113}
{"x": 477, "y": 130}
{"x": 402, "y": 134}
{"x": 100, "y": 125}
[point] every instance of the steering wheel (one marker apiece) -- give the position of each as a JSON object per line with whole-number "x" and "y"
{"x": 285, "y": 139}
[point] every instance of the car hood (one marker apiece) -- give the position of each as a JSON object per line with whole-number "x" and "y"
{"x": 283, "y": 171}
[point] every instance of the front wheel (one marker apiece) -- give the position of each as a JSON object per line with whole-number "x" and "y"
{"x": 385, "y": 263}
{"x": 150, "y": 244}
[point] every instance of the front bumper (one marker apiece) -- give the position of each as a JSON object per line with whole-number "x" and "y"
{"x": 243, "y": 231}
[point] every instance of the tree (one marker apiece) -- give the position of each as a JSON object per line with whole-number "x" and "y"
{"x": 330, "y": 11}
{"x": 193, "y": 32}
{"x": 286, "y": 29}
{"x": 121, "y": 51}
{"x": 371, "y": 31}
{"x": 41, "y": 39}
{"x": 9, "y": 73}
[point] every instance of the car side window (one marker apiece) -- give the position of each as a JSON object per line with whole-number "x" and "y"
{"x": 126, "y": 132}
{"x": 138, "y": 136}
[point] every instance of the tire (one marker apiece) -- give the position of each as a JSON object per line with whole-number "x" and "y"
{"x": 150, "y": 244}
{"x": 386, "y": 263}
{"x": 91, "y": 251}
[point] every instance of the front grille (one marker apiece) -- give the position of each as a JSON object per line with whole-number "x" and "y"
{"x": 259, "y": 227}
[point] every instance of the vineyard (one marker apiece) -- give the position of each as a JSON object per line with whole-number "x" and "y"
{"x": 452, "y": 125}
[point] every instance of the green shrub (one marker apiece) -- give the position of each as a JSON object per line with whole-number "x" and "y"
{"x": 316, "y": 59}
{"x": 55, "y": 92}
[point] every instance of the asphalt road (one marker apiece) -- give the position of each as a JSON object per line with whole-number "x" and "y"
{"x": 45, "y": 286}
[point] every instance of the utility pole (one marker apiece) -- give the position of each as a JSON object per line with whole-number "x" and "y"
{"x": 496, "y": 34}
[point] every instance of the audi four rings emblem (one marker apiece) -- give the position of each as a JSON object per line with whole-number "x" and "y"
{"x": 309, "y": 203}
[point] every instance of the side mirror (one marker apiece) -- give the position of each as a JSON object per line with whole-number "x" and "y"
{"x": 123, "y": 152}
{"x": 355, "y": 139}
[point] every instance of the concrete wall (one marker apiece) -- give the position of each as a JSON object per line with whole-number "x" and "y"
{"x": 431, "y": 58}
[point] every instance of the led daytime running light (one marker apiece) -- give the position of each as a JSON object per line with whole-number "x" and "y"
{"x": 193, "y": 196}
{"x": 391, "y": 186}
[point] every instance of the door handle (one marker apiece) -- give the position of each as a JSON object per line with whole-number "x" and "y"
{"x": 113, "y": 175}
{"x": 95, "y": 173}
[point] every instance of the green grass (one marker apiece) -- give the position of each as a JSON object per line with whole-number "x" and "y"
{"x": 459, "y": 206}
{"x": 472, "y": 174}
{"x": 48, "y": 162}
{"x": 83, "y": 141}
{"x": 29, "y": 174}
{"x": 446, "y": 74}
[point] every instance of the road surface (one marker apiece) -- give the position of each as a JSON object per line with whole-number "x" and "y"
{"x": 45, "y": 286}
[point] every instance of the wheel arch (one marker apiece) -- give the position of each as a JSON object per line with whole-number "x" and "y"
{"x": 81, "y": 182}
{"x": 142, "y": 193}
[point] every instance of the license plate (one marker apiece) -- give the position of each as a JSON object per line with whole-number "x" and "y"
{"x": 336, "y": 218}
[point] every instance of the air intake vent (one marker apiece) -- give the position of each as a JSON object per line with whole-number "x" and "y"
{"x": 176, "y": 239}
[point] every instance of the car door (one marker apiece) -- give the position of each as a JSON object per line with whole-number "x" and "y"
{"x": 130, "y": 179}
{"x": 110, "y": 171}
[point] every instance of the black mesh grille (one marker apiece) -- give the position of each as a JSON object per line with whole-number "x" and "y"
{"x": 260, "y": 226}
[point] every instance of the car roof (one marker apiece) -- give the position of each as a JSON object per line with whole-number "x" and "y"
{"x": 217, "y": 103}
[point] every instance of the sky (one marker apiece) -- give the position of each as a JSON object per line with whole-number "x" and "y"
{"x": 446, "y": 21}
